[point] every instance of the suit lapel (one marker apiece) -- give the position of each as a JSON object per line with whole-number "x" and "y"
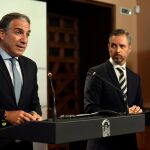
{"x": 114, "y": 80}
{"x": 25, "y": 79}
{"x": 112, "y": 74}
{"x": 130, "y": 83}
{"x": 22, "y": 67}
{"x": 6, "y": 75}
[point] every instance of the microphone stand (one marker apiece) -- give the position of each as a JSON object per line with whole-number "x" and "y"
{"x": 54, "y": 115}
{"x": 126, "y": 103}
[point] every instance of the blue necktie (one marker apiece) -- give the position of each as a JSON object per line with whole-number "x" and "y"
{"x": 17, "y": 79}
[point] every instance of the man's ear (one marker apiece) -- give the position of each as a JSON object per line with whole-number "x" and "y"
{"x": 130, "y": 48}
{"x": 2, "y": 33}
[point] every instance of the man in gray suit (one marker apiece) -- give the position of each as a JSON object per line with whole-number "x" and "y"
{"x": 15, "y": 110}
{"x": 104, "y": 92}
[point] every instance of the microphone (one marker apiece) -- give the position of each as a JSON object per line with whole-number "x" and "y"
{"x": 120, "y": 91}
{"x": 54, "y": 116}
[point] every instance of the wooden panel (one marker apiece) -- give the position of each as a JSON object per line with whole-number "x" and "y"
{"x": 63, "y": 61}
{"x": 58, "y": 147}
{"x": 143, "y": 139}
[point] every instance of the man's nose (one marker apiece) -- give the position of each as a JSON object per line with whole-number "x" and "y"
{"x": 118, "y": 49}
{"x": 24, "y": 39}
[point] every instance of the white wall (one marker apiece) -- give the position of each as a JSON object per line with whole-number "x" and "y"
{"x": 37, "y": 46}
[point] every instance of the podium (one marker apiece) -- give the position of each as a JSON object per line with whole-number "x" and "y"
{"x": 147, "y": 116}
{"x": 75, "y": 129}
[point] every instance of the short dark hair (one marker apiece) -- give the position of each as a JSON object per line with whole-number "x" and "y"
{"x": 118, "y": 32}
{"x": 5, "y": 21}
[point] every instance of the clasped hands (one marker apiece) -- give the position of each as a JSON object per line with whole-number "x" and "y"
{"x": 135, "y": 109}
{"x": 19, "y": 116}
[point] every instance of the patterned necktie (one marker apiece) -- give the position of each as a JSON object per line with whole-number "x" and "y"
{"x": 122, "y": 81}
{"x": 17, "y": 79}
{"x": 123, "y": 86}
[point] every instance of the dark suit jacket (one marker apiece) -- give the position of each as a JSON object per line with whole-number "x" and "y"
{"x": 29, "y": 100}
{"x": 99, "y": 95}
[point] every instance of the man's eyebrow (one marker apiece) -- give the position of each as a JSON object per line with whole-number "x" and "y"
{"x": 113, "y": 43}
{"x": 21, "y": 29}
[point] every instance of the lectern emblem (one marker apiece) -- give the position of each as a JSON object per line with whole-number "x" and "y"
{"x": 105, "y": 128}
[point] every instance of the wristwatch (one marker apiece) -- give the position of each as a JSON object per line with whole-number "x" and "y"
{"x": 3, "y": 119}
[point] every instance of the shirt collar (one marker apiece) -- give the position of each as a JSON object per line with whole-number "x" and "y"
{"x": 5, "y": 55}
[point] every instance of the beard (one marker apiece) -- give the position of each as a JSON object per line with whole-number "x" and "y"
{"x": 118, "y": 59}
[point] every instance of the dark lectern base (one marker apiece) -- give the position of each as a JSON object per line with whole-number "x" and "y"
{"x": 147, "y": 116}
{"x": 76, "y": 129}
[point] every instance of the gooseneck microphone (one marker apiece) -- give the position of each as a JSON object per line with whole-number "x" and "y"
{"x": 126, "y": 103}
{"x": 54, "y": 115}
{"x": 114, "y": 87}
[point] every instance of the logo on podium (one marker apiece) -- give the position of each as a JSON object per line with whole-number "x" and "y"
{"x": 105, "y": 128}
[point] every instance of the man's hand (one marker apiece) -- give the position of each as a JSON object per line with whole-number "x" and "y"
{"x": 135, "y": 109}
{"x": 36, "y": 116}
{"x": 19, "y": 116}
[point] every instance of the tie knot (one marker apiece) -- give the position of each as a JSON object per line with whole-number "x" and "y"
{"x": 13, "y": 60}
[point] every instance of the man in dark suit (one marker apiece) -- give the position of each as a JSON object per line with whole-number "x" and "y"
{"x": 103, "y": 91}
{"x": 14, "y": 33}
